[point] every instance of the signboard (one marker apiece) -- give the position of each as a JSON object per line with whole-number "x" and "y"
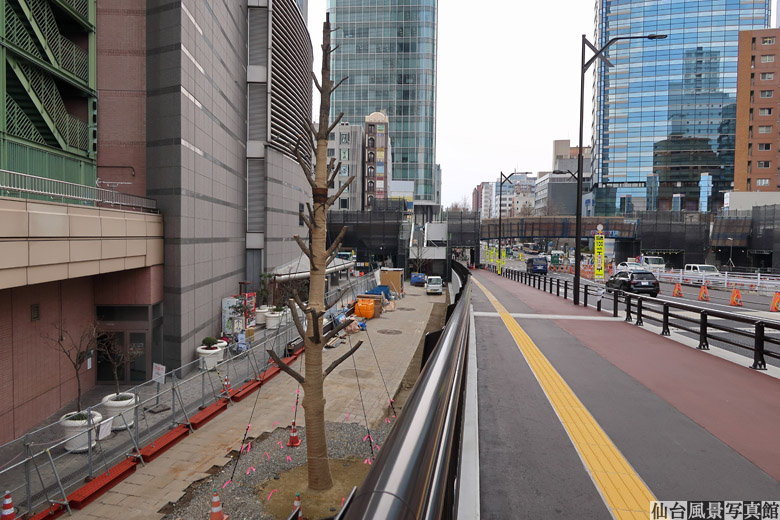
{"x": 158, "y": 373}
{"x": 599, "y": 256}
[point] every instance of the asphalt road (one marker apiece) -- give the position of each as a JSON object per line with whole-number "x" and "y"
{"x": 529, "y": 467}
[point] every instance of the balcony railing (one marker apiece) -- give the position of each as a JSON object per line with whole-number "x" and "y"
{"x": 14, "y": 184}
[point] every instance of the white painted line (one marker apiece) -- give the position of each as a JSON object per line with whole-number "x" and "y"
{"x": 548, "y": 316}
{"x": 468, "y": 482}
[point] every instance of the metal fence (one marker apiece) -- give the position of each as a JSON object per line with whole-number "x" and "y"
{"x": 21, "y": 185}
{"x": 759, "y": 282}
{"x": 39, "y": 470}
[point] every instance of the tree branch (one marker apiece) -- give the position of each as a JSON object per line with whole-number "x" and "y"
{"x": 306, "y": 221}
{"x": 311, "y": 214}
{"x": 316, "y": 82}
{"x": 331, "y": 258}
{"x": 284, "y": 367}
{"x": 333, "y": 173}
{"x": 296, "y": 319}
{"x": 336, "y": 195}
{"x": 299, "y": 302}
{"x": 306, "y": 251}
{"x": 338, "y": 298}
{"x": 341, "y": 359}
{"x": 335, "y": 330}
{"x": 302, "y": 163}
{"x": 337, "y": 85}
{"x": 333, "y": 49}
{"x": 335, "y": 123}
{"x": 337, "y": 242}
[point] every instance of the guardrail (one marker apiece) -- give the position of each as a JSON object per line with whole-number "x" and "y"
{"x": 415, "y": 475}
{"x": 16, "y": 184}
{"x": 689, "y": 318}
{"x": 39, "y": 468}
{"x": 729, "y": 280}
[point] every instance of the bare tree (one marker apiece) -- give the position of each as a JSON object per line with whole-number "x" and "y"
{"x": 116, "y": 354}
{"x": 319, "y": 257}
{"x": 77, "y": 349}
{"x": 462, "y": 205}
{"x": 419, "y": 250}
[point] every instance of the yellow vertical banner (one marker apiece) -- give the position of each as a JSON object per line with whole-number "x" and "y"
{"x": 598, "y": 249}
{"x": 502, "y": 260}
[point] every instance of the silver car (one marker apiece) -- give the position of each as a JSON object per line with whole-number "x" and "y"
{"x": 433, "y": 285}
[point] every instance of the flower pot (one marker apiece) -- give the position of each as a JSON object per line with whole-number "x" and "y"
{"x": 221, "y": 343}
{"x": 272, "y": 319}
{"x": 120, "y": 404}
{"x": 211, "y": 356}
{"x": 79, "y": 443}
{"x": 260, "y": 315}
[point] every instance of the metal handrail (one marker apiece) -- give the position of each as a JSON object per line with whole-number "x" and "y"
{"x": 16, "y": 182}
{"x": 415, "y": 473}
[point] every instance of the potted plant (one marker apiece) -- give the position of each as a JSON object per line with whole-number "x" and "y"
{"x": 274, "y": 317}
{"x": 264, "y": 297}
{"x": 210, "y": 351}
{"x": 78, "y": 350}
{"x": 118, "y": 403}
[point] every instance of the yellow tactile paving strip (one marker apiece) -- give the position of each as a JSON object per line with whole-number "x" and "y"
{"x": 623, "y": 491}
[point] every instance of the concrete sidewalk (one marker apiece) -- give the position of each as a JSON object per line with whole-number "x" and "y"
{"x": 394, "y": 336}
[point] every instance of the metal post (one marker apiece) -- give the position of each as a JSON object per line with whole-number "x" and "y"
{"x": 27, "y": 485}
{"x": 628, "y": 308}
{"x": 578, "y": 218}
{"x": 173, "y": 400}
{"x": 665, "y": 329}
{"x": 202, "y": 385}
{"x": 137, "y": 419}
{"x": 703, "y": 343}
{"x": 585, "y": 299}
{"x": 639, "y": 321}
{"x": 558, "y": 287}
{"x": 598, "y": 301}
{"x": 89, "y": 444}
{"x": 566, "y": 289}
{"x": 614, "y": 304}
{"x": 758, "y": 348}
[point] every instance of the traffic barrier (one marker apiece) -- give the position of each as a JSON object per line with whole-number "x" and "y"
{"x": 775, "y": 306}
{"x": 704, "y": 294}
{"x": 216, "y": 508}
{"x": 9, "y": 513}
{"x": 297, "y": 503}
{"x": 678, "y": 291}
{"x": 294, "y": 440}
{"x": 736, "y": 298}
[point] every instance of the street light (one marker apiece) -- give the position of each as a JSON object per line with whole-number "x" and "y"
{"x": 503, "y": 179}
{"x": 731, "y": 250}
{"x": 585, "y": 65}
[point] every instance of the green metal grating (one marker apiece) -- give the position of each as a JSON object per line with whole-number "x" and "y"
{"x": 16, "y": 33}
{"x": 18, "y": 124}
{"x": 68, "y": 55}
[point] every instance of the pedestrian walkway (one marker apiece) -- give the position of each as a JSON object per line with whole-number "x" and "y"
{"x": 395, "y": 337}
{"x": 591, "y": 417}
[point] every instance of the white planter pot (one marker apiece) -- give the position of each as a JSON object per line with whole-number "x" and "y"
{"x": 260, "y": 315}
{"x": 272, "y": 319}
{"x": 125, "y": 408}
{"x": 221, "y": 344}
{"x": 79, "y": 443}
{"x": 210, "y": 357}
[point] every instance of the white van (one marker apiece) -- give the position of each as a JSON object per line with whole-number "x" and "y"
{"x": 654, "y": 263}
{"x": 704, "y": 269}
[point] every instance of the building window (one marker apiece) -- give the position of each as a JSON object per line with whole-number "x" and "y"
{"x": 768, "y": 40}
{"x": 370, "y": 186}
{"x": 344, "y": 169}
{"x": 35, "y": 312}
{"x": 344, "y": 138}
{"x": 764, "y": 147}
{"x": 764, "y": 129}
{"x": 343, "y": 203}
{"x": 331, "y": 152}
{"x": 767, "y": 93}
{"x": 370, "y": 200}
{"x": 370, "y": 156}
{"x": 300, "y": 214}
{"x": 332, "y": 136}
{"x": 371, "y": 129}
{"x": 371, "y": 142}
{"x": 762, "y": 182}
{"x": 345, "y": 154}
{"x": 370, "y": 171}
{"x": 767, "y": 76}
{"x": 763, "y": 165}
{"x": 765, "y": 111}
{"x": 768, "y": 58}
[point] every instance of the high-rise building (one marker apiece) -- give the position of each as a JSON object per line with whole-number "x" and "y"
{"x": 388, "y": 51}
{"x": 757, "y": 153}
{"x": 667, "y": 107}
{"x": 379, "y": 161}
{"x": 345, "y": 146}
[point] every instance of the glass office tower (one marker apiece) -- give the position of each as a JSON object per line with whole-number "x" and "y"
{"x": 388, "y": 50}
{"x": 664, "y": 114}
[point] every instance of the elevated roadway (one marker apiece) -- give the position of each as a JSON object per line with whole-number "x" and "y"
{"x": 582, "y": 415}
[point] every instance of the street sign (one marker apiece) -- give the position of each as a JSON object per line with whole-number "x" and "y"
{"x": 599, "y": 257}
{"x": 158, "y": 373}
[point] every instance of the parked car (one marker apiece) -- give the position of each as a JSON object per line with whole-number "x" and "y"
{"x": 634, "y": 282}
{"x": 536, "y": 265}
{"x": 701, "y": 269}
{"x": 418, "y": 279}
{"x": 433, "y": 285}
{"x": 630, "y": 266}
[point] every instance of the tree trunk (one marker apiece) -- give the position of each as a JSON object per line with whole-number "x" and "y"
{"x": 78, "y": 388}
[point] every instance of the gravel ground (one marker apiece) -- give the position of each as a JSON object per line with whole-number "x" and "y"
{"x": 240, "y": 498}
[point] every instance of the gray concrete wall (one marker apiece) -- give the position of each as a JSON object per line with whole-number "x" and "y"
{"x": 196, "y": 160}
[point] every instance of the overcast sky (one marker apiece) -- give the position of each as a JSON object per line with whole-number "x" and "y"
{"x": 508, "y": 85}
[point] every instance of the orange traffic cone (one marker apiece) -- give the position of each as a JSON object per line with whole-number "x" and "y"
{"x": 294, "y": 441}
{"x": 775, "y": 305}
{"x": 704, "y": 294}
{"x": 297, "y": 503}
{"x": 678, "y": 290}
{"x": 216, "y": 508}
{"x": 226, "y": 387}
{"x": 736, "y": 298}
{"x": 9, "y": 513}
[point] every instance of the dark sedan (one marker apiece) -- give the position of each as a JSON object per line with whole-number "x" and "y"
{"x": 634, "y": 282}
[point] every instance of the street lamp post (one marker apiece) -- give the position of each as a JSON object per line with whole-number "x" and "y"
{"x": 503, "y": 179}
{"x": 585, "y": 65}
{"x": 731, "y": 250}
